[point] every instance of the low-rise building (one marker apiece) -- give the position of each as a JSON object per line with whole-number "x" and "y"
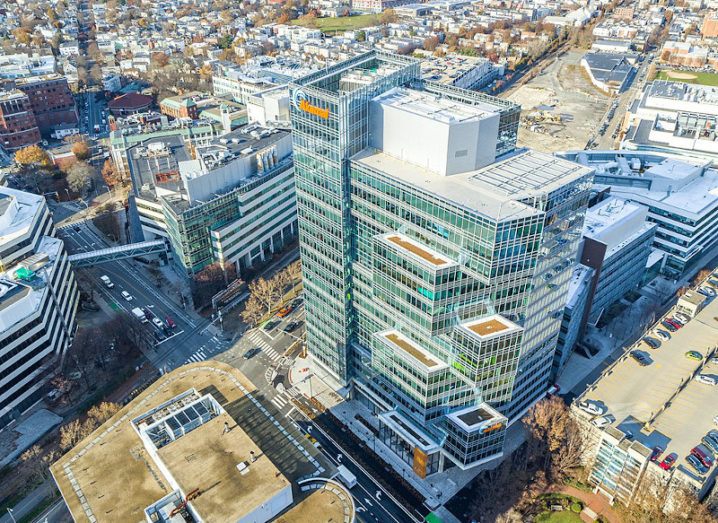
{"x": 610, "y": 72}
{"x": 198, "y": 445}
{"x": 38, "y": 301}
{"x": 229, "y": 201}
{"x": 130, "y": 103}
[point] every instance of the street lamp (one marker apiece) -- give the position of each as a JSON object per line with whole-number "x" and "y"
{"x": 10, "y": 511}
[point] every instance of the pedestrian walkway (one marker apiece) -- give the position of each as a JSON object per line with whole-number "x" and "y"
{"x": 596, "y": 502}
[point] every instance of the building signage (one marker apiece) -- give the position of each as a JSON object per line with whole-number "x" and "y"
{"x": 419, "y": 462}
{"x": 299, "y": 100}
{"x": 492, "y": 428}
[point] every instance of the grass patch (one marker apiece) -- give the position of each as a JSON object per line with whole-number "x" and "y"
{"x": 579, "y": 485}
{"x": 342, "y": 23}
{"x": 701, "y": 78}
{"x": 558, "y": 517}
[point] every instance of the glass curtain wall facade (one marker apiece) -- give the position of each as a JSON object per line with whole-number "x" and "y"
{"x": 427, "y": 305}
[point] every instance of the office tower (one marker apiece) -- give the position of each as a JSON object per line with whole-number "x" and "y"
{"x": 435, "y": 255}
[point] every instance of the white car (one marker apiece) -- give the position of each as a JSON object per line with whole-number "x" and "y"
{"x": 681, "y": 317}
{"x": 604, "y": 421}
{"x": 707, "y": 290}
{"x": 663, "y": 335}
{"x": 126, "y": 295}
{"x": 591, "y": 408}
{"x": 706, "y": 379}
{"x": 158, "y": 323}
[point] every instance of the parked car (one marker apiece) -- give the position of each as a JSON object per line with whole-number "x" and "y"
{"x": 656, "y": 453}
{"x": 158, "y": 323}
{"x": 170, "y": 322}
{"x": 710, "y": 442}
{"x": 652, "y": 342}
{"x": 706, "y": 379}
{"x": 704, "y": 455}
{"x": 296, "y": 302}
{"x": 592, "y": 408}
{"x": 682, "y": 317}
{"x": 663, "y": 335}
{"x": 694, "y": 355}
{"x": 675, "y": 323}
{"x": 126, "y": 295}
{"x": 707, "y": 291}
{"x": 604, "y": 421}
{"x": 669, "y": 326}
{"x": 159, "y": 335}
{"x": 679, "y": 321}
{"x": 668, "y": 461}
{"x": 148, "y": 313}
{"x": 696, "y": 465}
{"x": 641, "y": 358}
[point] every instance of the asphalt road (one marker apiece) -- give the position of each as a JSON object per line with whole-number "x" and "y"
{"x": 190, "y": 340}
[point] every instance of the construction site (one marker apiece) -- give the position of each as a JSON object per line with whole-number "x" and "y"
{"x": 561, "y": 108}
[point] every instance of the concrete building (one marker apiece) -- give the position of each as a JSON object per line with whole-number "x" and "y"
{"x": 210, "y": 451}
{"x": 656, "y": 405}
{"x": 435, "y": 256}
{"x": 51, "y": 100}
{"x": 676, "y": 118}
{"x": 617, "y": 240}
{"x": 681, "y": 196}
{"x": 18, "y": 127}
{"x": 38, "y": 301}
{"x": 230, "y": 200}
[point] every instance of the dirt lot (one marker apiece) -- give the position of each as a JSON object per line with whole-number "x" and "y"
{"x": 565, "y": 107}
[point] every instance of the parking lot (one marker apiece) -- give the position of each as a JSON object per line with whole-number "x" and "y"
{"x": 660, "y": 402}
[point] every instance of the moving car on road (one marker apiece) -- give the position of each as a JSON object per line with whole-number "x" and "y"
{"x": 251, "y": 353}
{"x": 126, "y": 295}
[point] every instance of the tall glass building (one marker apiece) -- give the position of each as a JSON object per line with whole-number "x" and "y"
{"x": 436, "y": 256}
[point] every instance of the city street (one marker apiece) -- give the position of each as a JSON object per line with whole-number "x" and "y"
{"x": 190, "y": 340}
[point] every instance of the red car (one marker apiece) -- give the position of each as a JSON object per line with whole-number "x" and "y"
{"x": 668, "y": 462}
{"x": 674, "y": 323}
{"x": 170, "y": 323}
{"x": 657, "y": 451}
{"x": 703, "y": 456}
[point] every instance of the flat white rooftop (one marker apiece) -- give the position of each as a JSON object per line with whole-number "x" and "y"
{"x": 460, "y": 189}
{"x": 431, "y": 106}
{"x": 18, "y": 208}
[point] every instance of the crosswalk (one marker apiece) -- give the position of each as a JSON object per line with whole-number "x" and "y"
{"x": 283, "y": 398}
{"x": 197, "y": 356}
{"x": 272, "y": 354}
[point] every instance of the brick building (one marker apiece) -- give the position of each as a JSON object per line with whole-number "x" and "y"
{"x": 130, "y": 103}
{"x": 709, "y": 29}
{"x": 179, "y": 107}
{"x": 51, "y": 100}
{"x": 18, "y": 127}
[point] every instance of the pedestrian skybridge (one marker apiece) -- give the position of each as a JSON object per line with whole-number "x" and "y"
{"x": 133, "y": 250}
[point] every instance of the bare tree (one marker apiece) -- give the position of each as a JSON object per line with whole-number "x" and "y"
{"x": 79, "y": 176}
{"x": 560, "y": 442}
{"x": 266, "y": 291}
{"x": 253, "y": 311}
{"x": 102, "y": 412}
